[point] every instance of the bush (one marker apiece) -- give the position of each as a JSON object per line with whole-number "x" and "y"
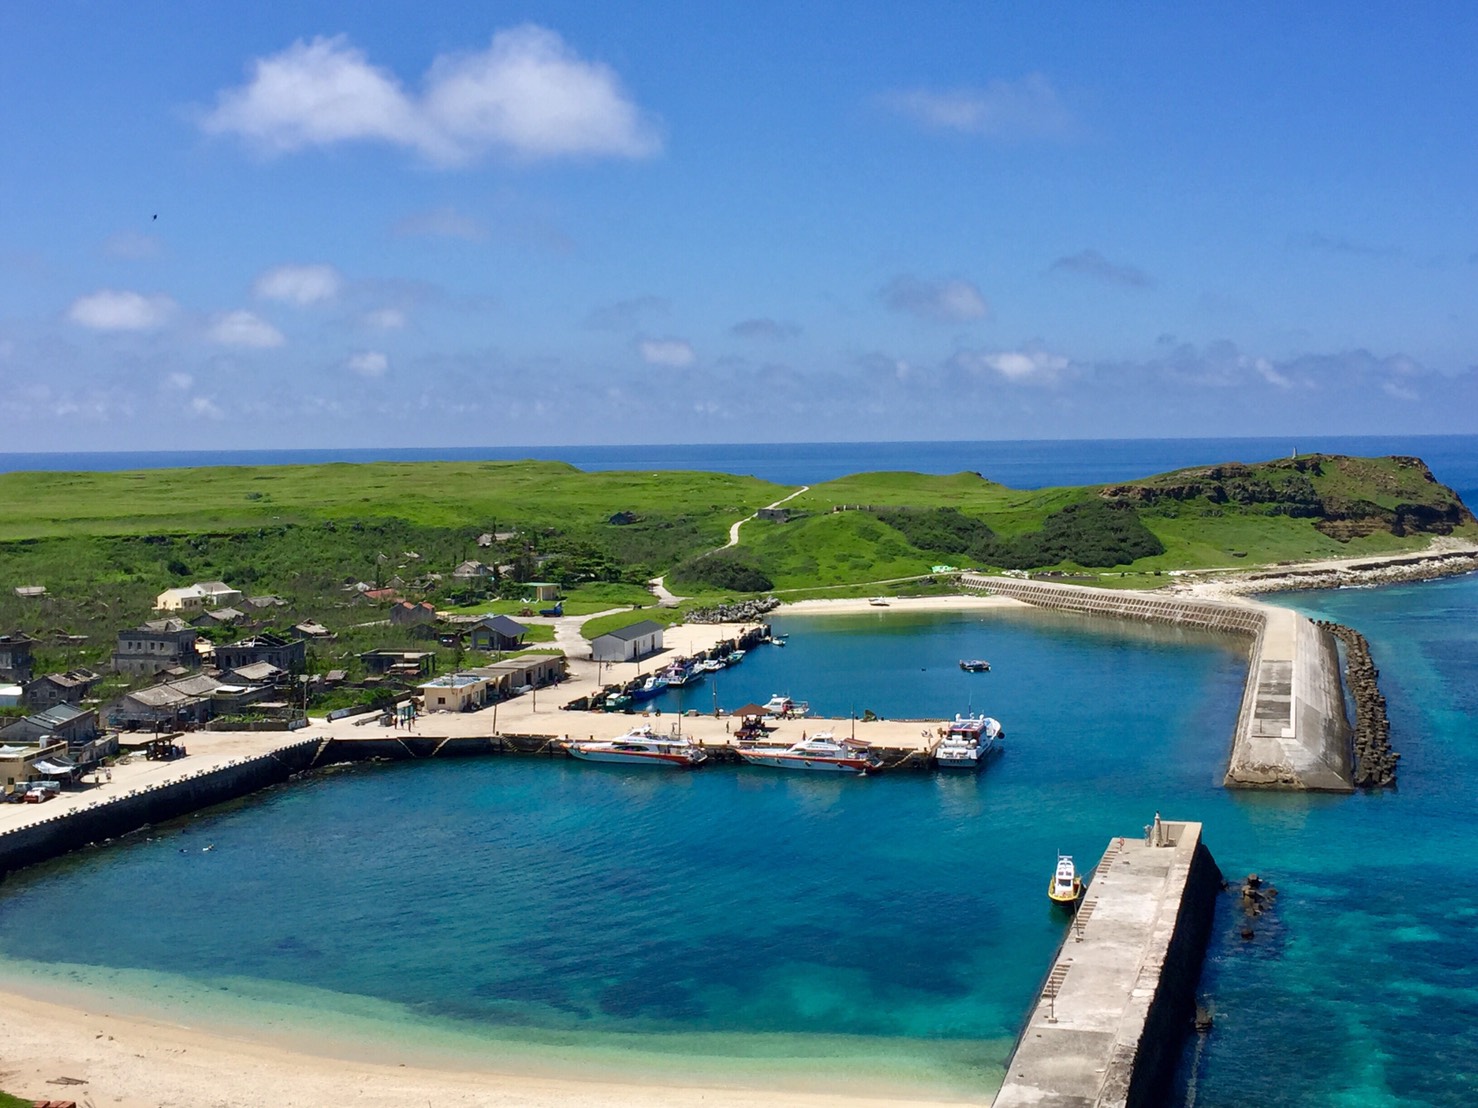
{"x": 1091, "y": 533}
{"x": 724, "y": 570}
{"x": 944, "y": 530}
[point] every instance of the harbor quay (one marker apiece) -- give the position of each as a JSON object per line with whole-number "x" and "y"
{"x": 1119, "y": 996}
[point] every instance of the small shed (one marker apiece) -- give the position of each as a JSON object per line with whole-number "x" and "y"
{"x": 497, "y": 633}
{"x": 626, "y": 644}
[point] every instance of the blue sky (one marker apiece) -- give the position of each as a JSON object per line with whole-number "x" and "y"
{"x": 500, "y": 224}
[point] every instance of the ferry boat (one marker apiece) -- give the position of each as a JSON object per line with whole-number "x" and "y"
{"x": 969, "y": 741}
{"x": 974, "y": 665}
{"x": 1066, "y": 887}
{"x": 654, "y": 685}
{"x": 639, "y": 746}
{"x": 822, "y": 752}
{"x": 785, "y": 707}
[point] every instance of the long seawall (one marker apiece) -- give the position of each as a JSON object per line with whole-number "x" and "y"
{"x": 55, "y": 832}
{"x": 1292, "y": 730}
{"x": 1105, "y": 1029}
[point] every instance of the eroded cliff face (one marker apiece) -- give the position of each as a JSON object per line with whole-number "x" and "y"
{"x": 1346, "y": 497}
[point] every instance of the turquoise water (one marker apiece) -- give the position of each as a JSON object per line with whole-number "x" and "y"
{"x": 742, "y": 924}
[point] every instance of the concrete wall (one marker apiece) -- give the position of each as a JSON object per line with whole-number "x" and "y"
{"x": 66, "y": 831}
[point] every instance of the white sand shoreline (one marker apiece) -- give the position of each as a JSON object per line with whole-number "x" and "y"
{"x": 134, "y": 1061}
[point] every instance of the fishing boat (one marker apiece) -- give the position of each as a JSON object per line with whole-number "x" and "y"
{"x": 969, "y": 741}
{"x": 618, "y": 703}
{"x": 735, "y": 657}
{"x": 709, "y": 665}
{"x": 680, "y": 674}
{"x": 654, "y": 685}
{"x": 639, "y": 746}
{"x": 822, "y": 752}
{"x": 974, "y": 665}
{"x": 1066, "y": 888}
{"x": 785, "y": 707}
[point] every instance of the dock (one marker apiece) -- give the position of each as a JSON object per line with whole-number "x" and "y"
{"x": 1292, "y": 731}
{"x": 1105, "y": 1029}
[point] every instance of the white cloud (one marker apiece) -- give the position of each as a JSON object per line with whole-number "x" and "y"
{"x": 243, "y": 328}
{"x": 444, "y": 223}
{"x": 1031, "y": 366}
{"x": 302, "y": 285}
{"x": 1271, "y": 374}
{"x": 203, "y": 406}
{"x": 385, "y": 319}
{"x": 114, "y": 310}
{"x": 180, "y": 381}
{"x": 666, "y": 352}
{"x": 527, "y": 95}
{"x": 369, "y": 363}
{"x": 949, "y": 301}
{"x": 1028, "y": 108}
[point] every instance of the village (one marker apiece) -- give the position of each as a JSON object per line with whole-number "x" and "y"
{"x": 216, "y": 660}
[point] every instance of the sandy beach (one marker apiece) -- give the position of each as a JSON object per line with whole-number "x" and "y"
{"x": 133, "y": 1062}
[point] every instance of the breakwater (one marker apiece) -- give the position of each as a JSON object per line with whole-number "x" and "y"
{"x": 1291, "y": 731}
{"x": 55, "y": 832}
{"x": 1120, "y": 993}
{"x": 1375, "y": 761}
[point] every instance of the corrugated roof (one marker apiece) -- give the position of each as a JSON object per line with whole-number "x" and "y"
{"x": 633, "y": 631}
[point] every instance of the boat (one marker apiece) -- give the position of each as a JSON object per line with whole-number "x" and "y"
{"x": 735, "y": 657}
{"x": 821, "y": 752}
{"x": 969, "y": 741}
{"x": 654, "y": 685}
{"x": 709, "y": 665}
{"x": 785, "y": 707}
{"x": 680, "y": 674}
{"x": 974, "y": 665}
{"x": 639, "y": 746}
{"x": 1066, "y": 887}
{"x": 878, "y": 601}
{"x": 618, "y": 703}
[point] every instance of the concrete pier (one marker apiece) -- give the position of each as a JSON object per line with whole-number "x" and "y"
{"x": 1106, "y": 1028}
{"x": 1292, "y": 731}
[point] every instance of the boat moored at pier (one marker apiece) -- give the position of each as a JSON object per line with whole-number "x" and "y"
{"x": 639, "y": 746}
{"x": 822, "y": 752}
{"x": 1066, "y": 887}
{"x": 969, "y": 741}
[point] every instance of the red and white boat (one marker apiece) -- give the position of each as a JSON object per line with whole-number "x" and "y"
{"x": 822, "y": 752}
{"x": 639, "y": 746}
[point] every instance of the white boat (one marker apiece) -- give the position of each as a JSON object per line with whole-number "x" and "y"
{"x": 878, "y": 601}
{"x": 968, "y": 742}
{"x": 821, "y": 752}
{"x": 785, "y": 707}
{"x": 639, "y": 746}
{"x": 1066, "y": 887}
{"x": 709, "y": 665}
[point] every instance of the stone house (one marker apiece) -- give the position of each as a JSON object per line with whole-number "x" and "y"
{"x": 15, "y": 658}
{"x": 159, "y": 644}
{"x": 497, "y": 633}
{"x": 290, "y": 655}
{"x": 60, "y": 688}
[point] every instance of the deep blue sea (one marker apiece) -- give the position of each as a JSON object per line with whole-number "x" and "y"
{"x": 738, "y": 924}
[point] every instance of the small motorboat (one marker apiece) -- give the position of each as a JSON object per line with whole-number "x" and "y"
{"x": 785, "y": 707}
{"x": 735, "y": 657}
{"x": 1066, "y": 888}
{"x": 878, "y": 601}
{"x": 974, "y": 665}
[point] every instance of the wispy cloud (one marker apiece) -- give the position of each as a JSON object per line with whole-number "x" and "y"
{"x": 1029, "y": 366}
{"x": 1028, "y": 108}
{"x": 1335, "y": 244}
{"x": 623, "y": 315}
{"x": 528, "y": 95}
{"x": 949, "y": 301}
{"x": 385, "y": 319}
{"x": 303, "y": 285}
{"x": 244, "y": 328}
{"x": 1092, "y": 264}
{"x": 121, "y": 310}
{"x": 368, "y": 363}
{"x": 131, "y": 246}
{"x": 444, "y": 223}
{"x": 772, "y": 330}
{"x": 676, "y": 353}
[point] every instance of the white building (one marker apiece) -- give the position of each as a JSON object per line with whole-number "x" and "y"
{"x": 626, "y": 644}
